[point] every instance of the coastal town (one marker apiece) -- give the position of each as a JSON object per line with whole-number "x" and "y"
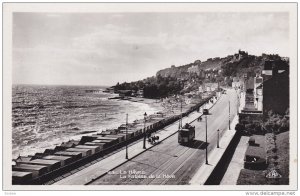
{"x": 225, "y": 121}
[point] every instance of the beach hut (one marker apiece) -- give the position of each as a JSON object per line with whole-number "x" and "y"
{"x": 64, "y": 160}
{"x": 108, "y": 142}
{"x": 19, "y": 177}
{"x": 110, "y": 131}
{"x": 120, "y": 138}
{"x": 129, "y": 134}
{"x": 104, "y": 137}
{"x": 85, "y": 152}
{"x": 101, "y": 145}
{"x": 36, "y": 170}
{"x": 124, "y": 135}
{"x": 85, "y": 139}
{"x": 69, "y": 144}
{"x": 74, "y": 155}
{"x": 50, "y": 164}
{"x": 94, "y": 149}
{"x": 112, "y": 140}
{"x": 132, "y": 132}
{"x": 49, "y": 151}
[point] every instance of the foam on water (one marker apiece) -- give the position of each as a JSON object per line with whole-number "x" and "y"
{"x": 45, "y": 116}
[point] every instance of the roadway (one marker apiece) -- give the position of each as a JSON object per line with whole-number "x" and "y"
{"x": 102, "y": 166}
{"x": 170, "y": 163}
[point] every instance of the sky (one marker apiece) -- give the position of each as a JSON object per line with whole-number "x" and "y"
{"x": 106, "y": 48}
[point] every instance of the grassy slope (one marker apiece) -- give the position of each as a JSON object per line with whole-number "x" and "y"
{"x": 282, "y": 142}
{"x": 252, "y": 177}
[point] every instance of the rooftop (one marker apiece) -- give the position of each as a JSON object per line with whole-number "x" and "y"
{"x": 256, "y": 151}
{"x": 20, "y": 173}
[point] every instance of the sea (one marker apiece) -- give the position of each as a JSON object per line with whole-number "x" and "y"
{"x": 44, "y": 116}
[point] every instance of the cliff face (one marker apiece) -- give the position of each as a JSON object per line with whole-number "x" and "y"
{"x": 232, "y": 65}
{"x": 182, "y": 71}
{"x": 189, "y": 77}
{"x": 173, "y": 71}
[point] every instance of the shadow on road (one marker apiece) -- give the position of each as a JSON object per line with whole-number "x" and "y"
{"x": 197, "y": 144}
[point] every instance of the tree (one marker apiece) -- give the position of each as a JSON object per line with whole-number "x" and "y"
{"x": 276, "y": 123}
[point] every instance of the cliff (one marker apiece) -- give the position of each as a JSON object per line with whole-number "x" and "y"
{"x": 232, "y": 65}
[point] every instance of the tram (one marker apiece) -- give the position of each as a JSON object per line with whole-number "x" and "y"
{"x": 186, "y": 134}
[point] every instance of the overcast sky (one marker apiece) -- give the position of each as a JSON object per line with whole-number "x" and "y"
{"x": 106, "y": 48}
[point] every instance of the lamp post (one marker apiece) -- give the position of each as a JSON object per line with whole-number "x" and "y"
{"x": 229, "y": 115}
{"x": 238, "y": 100}
{"x": 145, "y": 115}
{"x": 206, "y": 159}
{"x": 126, "y": 136}
{"x": 180, "y": 121}
{"x": 218, "y": 146}
{"x": 205, "y": 112}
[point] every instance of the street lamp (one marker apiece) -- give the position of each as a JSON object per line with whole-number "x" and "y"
{"x": 126, "y": 136}
{"x": 238, "y": 100}
{"x": 218, "y": 139}
{"x": 206, "y": 159}
{"x": 229, "y": 114}
{"x": 180, "y": 121}
{"x": 205, "y": 112}
{"x": 145, "y": 115}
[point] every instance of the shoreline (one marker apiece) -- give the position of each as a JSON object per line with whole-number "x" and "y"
{"x": 137, "y": 130}
{"x": 160, "y": 113}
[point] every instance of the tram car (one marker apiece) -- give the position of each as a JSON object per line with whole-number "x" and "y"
{"x": 186, "y": 134}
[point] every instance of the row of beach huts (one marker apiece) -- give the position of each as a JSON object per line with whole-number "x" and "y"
{"x": 52, "y": 163}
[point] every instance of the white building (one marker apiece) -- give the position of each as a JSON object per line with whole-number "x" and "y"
{"x": 235, "y": 83}
{"x": 258, "y": 95}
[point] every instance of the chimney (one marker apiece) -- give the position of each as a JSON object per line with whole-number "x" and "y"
{"x": 274, "y": 70}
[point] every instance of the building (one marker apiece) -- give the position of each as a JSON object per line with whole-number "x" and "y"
{"x": 235, "y": 82}
{"x": 273, "y": 66}
{"x": 140, "y": 93}
{"x": 211, "y": 86}
{"x": 258, "y": 92}
{"x": 196, "y": 69}
{"x": 201, "y": 89}
{"x": 274, "y": 89}
{"x": 276, "y": 93}
{"x": 123, "y": 93}
{"x": 249, "y": 85}
{"x": 240, "y": 55}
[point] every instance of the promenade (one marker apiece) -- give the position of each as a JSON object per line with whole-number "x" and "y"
{"x": 102, "y": 167}
{"x": 170, "y": 163}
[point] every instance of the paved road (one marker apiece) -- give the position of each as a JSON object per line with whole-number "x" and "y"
{"x": 100, "y": 167}
{"x": 169, "y": 162}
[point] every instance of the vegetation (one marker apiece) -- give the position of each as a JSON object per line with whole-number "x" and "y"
{"x": 276, "y": 123}
{"x": 154, "y": 87}
{"x": 281, "y": 164}
{"x": 178, "y": 80}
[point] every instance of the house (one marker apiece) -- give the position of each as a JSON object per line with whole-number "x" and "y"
{"x": 194, "y": 69}
{"x": 201, "y": 89}
{"x": 235, "y": 82}
{"x": 140, "y": 93}
{"x": 276, "y": 93}
{"x": 123, "y": 93}
{"x": 275, "y": 87}
{"x": 258, "y": 92}
{"x": 211, "y": 86}
{"x": 272, "y": 67}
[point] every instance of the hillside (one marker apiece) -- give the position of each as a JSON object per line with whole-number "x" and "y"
{"x": 182, "y": 71}
{"x": 186, "y": 78}
{"x": 232, "y": 65}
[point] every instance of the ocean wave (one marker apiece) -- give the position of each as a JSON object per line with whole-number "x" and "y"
{"x": 65, "y": 116}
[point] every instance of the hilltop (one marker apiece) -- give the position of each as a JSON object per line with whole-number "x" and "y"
{"x": 187, "y": 78}
{"x": 232, "y": 65}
